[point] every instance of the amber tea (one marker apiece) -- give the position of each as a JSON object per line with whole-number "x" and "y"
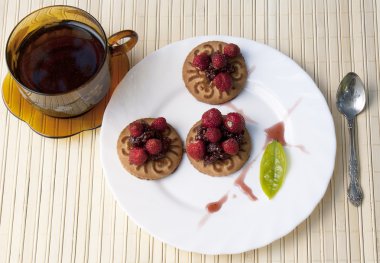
{"x": 59, "y": 58}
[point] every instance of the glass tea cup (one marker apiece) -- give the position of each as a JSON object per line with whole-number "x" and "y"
{"x": 59, "y": 57}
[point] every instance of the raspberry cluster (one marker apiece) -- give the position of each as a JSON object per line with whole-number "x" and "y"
{"x": 218, "y": 137}
{"x": 147, "y": 141}
{"x": 217, "y": 67}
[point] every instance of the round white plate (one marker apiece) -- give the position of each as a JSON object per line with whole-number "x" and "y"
{"x": 173, "y": 209}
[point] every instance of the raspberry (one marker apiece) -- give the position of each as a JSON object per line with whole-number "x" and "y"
{"x": 218, "y": 60}
{"x": 212, "y": 118}
{"x": 153, "y": 146}
{"x": 213, "y": 134}
{"x": 223, "y": 81}
{"x": 159, "y": 124}
{"x": 234, "y": 122}
{"x": 231, "y": 50}
{"x": 201, "y": 61}
{"x": 196, "y": 150}
{"x": 136, "y": 128}
{"x": 137, "y": 156}
{"x": 230, "y": 146}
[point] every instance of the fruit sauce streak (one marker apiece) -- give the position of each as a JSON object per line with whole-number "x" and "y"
{"x": 274, "y": 132}
{"x": 277, "y": 131}
{"x": 216, "y": 206}
{"x": 212, "y": 208}
{"x": 295, "y": 105}
{"x": 242, "y": 185}
{"x": 234, "y": 108}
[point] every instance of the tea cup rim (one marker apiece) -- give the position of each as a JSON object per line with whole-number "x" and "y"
{"x": 104, "y": 39}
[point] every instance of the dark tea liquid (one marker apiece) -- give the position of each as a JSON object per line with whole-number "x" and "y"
{"x": 59, "y": 58}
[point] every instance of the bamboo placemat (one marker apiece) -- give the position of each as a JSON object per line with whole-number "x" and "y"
{"x": 55, "y": 205}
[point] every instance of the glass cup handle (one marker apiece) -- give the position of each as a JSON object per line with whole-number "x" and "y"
{"x": 125, "y": 47}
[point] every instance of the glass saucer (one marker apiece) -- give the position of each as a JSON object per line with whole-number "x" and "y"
{"x": 53, "y": 127}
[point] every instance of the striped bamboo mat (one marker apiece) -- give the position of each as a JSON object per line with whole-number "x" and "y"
{"x": 55, "y": 205}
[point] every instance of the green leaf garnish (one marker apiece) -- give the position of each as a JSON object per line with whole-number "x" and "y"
{"x": 272, "y": 168}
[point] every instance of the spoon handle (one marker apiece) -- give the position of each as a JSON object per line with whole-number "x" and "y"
{"x": 354, "y": 192}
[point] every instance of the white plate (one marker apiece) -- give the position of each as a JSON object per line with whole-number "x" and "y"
{"x": 172, "y": 209}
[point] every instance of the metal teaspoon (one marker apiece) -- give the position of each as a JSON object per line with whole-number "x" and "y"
{"x": 350, "y": 101}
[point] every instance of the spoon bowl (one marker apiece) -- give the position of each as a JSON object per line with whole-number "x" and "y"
{"x": 350, "y": 98}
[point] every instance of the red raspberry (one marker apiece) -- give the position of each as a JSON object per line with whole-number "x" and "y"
{"x": 230, "y": 146}
{"x": 218, "y": 60}
{"x": 136, "y": 128}
{"x": 213, "y": 134}
{"x": 153, "y": 146}
{"x": 223, "y": 81}
{"x": 196, "y": 150}
{"x": 159, "y": 124}
{"x": 231, "y": 50}
{"x": 212, "y": 118}
{"x": 234, "y": 122}
{"x": 137, "y": 156}
{"x": 201, "y": 61}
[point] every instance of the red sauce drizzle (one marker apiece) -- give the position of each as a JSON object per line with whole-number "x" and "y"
{"x": 276, "y": 132}
{"x": 293, "y": 108}
{"x": 301, "y": 147}
{"x": 242, "y": 185}
{"x": 245, "y": 188}
{"x": 216, "y": 206}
